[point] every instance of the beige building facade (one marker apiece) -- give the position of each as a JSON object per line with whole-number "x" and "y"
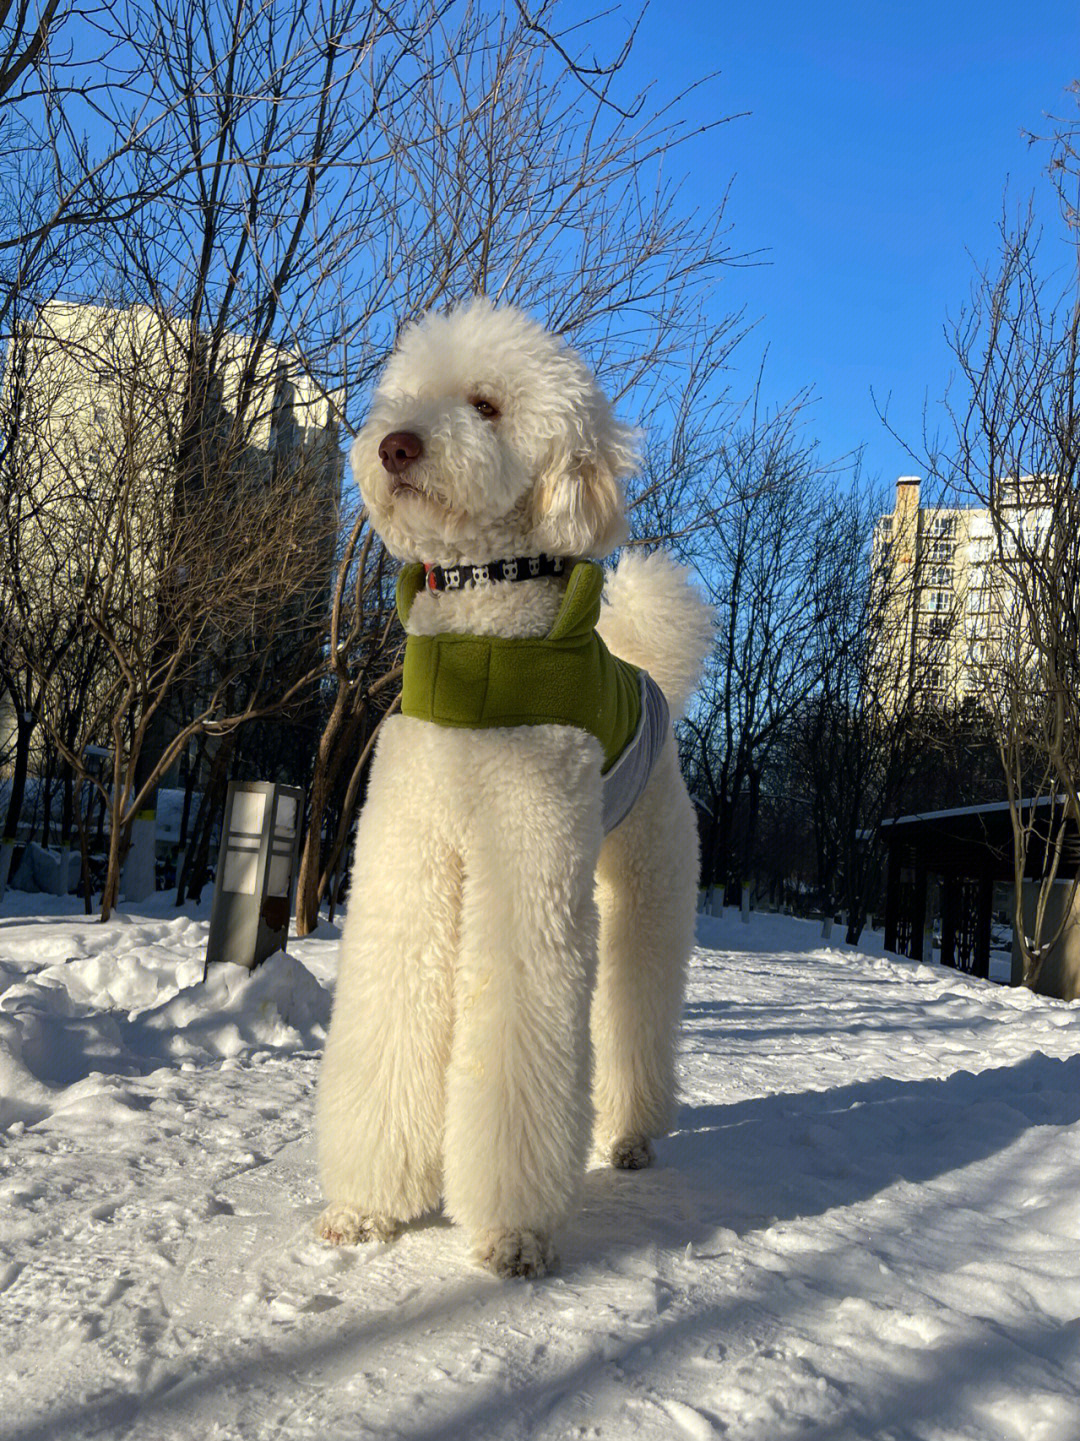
{"x": 950, "y": 609}
{"x": 94, "y": 400}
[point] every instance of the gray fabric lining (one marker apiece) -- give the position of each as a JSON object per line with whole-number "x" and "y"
{"x": 627, "y": 778}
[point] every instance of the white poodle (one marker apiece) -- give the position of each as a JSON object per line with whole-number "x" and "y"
{"x": 488, "y": 909}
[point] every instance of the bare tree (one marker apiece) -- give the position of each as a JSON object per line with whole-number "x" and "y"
{"x": 364, "y": 686}
{"x": 24, "y": 36}
{"x": 862, "y": 739}
{"x": 1016, "y": 452}
{"x": 207, "y": 586}
{"x": 68, "y": 72}
{"x": 1034, "y": 721}
{"x": 280, "y": 181}
{"x": 772, "y": 561}
{"x": 34, "y": 570}
{"x": 253, "y": 163}
{"x": 173, "y": 94}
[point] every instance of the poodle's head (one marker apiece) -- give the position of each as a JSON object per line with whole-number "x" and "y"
{"x": 488, "y": 437}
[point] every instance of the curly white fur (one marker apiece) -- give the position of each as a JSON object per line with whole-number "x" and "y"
{"x": 545, "y": 475}
{"x": 654, "y": 618}
{"x": 486, "y": 908}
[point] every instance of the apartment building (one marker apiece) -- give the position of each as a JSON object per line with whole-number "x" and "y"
{"x": 86, "y": 384}
{"x": 950, "y": 605}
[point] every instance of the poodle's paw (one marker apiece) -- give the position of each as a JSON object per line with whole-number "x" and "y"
{"x": 515, "y": 1253}
{"x": 631, "y": 1153}
{"x": 345, "y": 1226}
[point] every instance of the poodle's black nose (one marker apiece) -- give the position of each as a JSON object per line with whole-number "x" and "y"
{"x": 399, "y": 449}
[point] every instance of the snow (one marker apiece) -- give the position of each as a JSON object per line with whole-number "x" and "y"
{"x": 864, "y": 1226}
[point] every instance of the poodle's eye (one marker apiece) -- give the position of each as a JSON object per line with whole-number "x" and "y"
{"x": 484, "y": 407}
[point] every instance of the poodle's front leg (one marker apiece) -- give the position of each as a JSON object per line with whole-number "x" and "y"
{"x": 382, "y": 1085}
{"x": 518, "y": 1087}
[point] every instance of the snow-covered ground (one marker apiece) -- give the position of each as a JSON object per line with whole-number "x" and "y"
{"x": 865, "y": 1226}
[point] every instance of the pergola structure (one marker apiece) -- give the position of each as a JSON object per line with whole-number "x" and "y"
{"x": 969, "y": 850}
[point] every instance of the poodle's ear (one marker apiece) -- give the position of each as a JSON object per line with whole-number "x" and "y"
{"x": 578, "y": 505}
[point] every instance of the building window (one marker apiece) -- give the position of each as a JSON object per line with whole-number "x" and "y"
{"x": 931, "y": 681}
{"x": 940, "y": 525}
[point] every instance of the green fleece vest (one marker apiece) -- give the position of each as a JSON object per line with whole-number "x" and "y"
{"x": 568, "y": 677}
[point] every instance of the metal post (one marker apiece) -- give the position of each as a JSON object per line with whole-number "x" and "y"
{"x": 918, "y": 918}
{"x": 253, "y": 885}
{"x": 950, "y": 897}
{"x": 892, "y": 897}
{"x": 981, "y": 966}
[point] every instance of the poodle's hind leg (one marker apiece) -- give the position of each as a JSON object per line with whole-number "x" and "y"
{"x": 517, "y": 1127}
{"x": 647, "y": 889}
{"x": 381, "y": 1094}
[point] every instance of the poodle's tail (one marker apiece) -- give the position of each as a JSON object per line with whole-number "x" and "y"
{"x": 654, "y": 618}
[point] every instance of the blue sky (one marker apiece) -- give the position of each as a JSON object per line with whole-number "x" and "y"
{"x": 871, "y": 169}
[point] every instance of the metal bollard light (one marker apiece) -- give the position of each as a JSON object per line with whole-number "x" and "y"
{"x": 260, "y": 838}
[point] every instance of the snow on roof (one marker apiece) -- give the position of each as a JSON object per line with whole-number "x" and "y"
{"x": 986, "y": 808}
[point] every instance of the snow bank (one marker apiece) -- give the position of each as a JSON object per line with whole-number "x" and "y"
{"x": 278, "y": 1006}
{"x": 128, "y": 998}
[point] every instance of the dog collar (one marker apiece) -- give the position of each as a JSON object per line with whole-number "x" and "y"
{"x": 522, "y": 567}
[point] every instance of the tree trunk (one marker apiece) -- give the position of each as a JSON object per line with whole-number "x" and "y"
{"x": 46, "y": 798}
{"x": 710, "y": 849}
{"x": 111, "y": 894}
{"x": 350, "y": 802}
{"x": 82, "y": 820}
{"x": 334, "y": 745}
{"x": 185, "y": 818}
{"x": 67, "y": 813}
{"x": 24, "y": 729}
{"x": 197, "y": 866}
{"x": 753, "y": 813}
{"x": 856, "y": 922}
